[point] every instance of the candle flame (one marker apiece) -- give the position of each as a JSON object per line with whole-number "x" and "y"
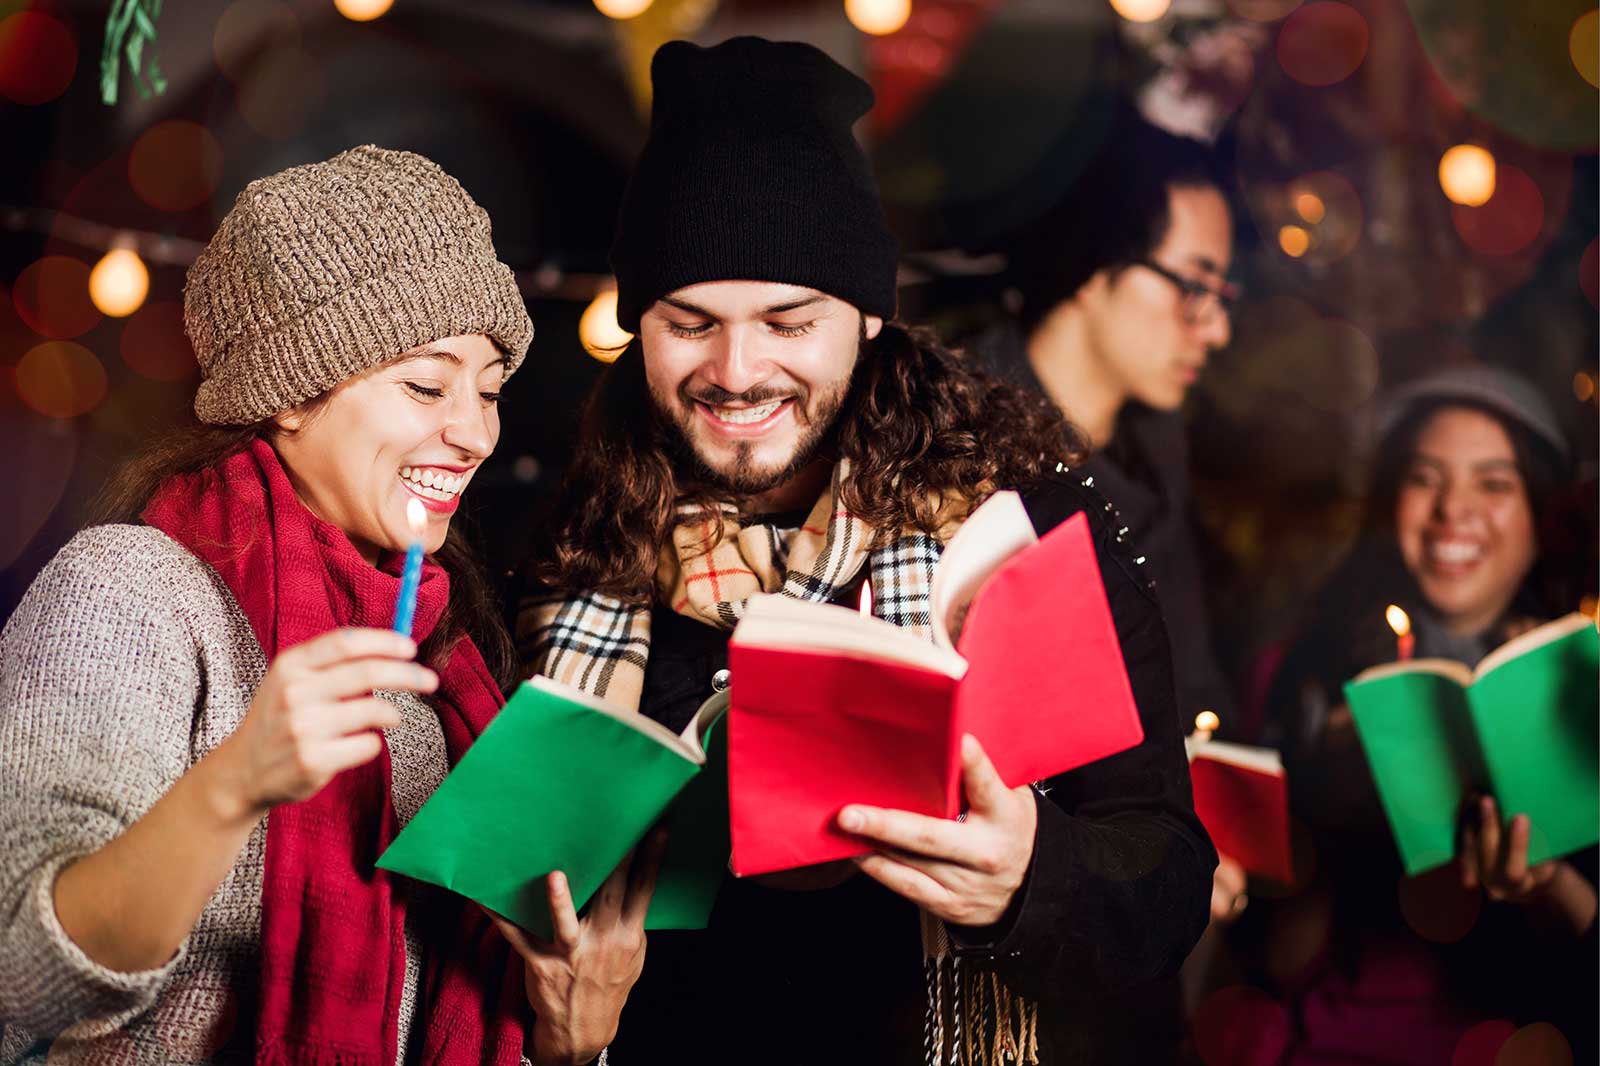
{"x": 866, "y": 599}
{"x": 416, "y": 518}
{"x": 1207, "y": 722}
{"x": 1398, "y": 620}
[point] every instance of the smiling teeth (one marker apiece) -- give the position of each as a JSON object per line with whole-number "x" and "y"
{"x": 1455, "y": 553}
{"x": 433, "y": 484}
{"x": 745, "y": 415}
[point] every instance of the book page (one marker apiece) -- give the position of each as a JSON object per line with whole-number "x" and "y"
{"x": 1245, "y": 756}
{"x": 996, "y": 531}
{"x": 694, "y": 734}
{"x": 772, "y": 621}
{"x": 637, "y": 720}
{"x": 1533, "y": 638}
{"x": 1460, "y": 673}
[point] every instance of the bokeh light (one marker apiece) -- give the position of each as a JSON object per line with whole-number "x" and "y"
{"x": 1511, "y": 219}
{"x": 1322, "y": 43}
{"x": 154, "y": 344}
{"x": 362, "y": 10}
{"x": 622, "y": 9}
{"x": 1539, "y": 1044}
{"x": 52, "y": 297}
{"x": 1263, "y": 10}
{"x": 1141, "y": 10}
{"x": 1309, "y": 206}
{"x": 1294, "y": 240}
{"x": 248, "y": 28}
{"x": 279, "y": 92}
{"x": 1241, "y": 1024}
{"x": 119, "y": 283}
{"x": 1583, "y": 44}
{"x": 1467, "y": 175}
{"x": 1479, "y": 1045}
{"x": 175, "y": 165}
{"x": 1583, "y": 386}
{"x": 880, "y": 17}
{"x": 598, "y": 330}
{"x": 1207, "y": 721}
{"x": 61, "y": 379}
{"x": 38, "y": 57}
{"x": 1589, "y": 272}
{"x": 1436, "y": 907}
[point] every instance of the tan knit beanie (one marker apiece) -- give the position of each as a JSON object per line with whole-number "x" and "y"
{"x": 325, "y": 270}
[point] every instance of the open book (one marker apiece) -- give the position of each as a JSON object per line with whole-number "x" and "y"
{"x": 563, "y": 781}
{"x": 1522, "y": 726}
{"x": 1242, "y": 798}
{"x": 831, "y": 707}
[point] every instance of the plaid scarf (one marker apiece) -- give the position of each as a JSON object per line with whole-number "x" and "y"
{"x": 708, "y": 570}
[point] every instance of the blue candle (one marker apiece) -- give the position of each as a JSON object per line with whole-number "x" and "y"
{"x": 405, "y": 609}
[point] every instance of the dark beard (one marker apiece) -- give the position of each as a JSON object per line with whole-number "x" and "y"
{"x": 741, "y": 479}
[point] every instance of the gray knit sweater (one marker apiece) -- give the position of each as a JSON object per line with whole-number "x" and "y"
{"x": 127, "y": 661}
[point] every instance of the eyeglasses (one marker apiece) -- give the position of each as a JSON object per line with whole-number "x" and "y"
{"x": 1200, "y": 301}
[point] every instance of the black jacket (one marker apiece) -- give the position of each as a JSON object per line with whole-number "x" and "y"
{"x": 1116, "y": 893}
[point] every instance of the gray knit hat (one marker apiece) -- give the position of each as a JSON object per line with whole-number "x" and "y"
{"x": 325, "y": 270}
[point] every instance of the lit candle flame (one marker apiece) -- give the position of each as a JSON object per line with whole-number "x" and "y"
{"x": 416, "y": 518}
{"x": 1398, "y": 620}
{"x": 1206, "y": 722}
{"x": 866, "y": 599}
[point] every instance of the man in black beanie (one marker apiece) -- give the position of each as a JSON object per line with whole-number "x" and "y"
{"x": 772, "y": 429}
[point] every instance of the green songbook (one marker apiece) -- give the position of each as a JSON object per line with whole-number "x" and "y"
{"x": 563, "y": 781}
{"x": 1522, "y": 727}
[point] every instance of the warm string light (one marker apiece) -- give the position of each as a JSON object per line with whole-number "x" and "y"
{"x": 1141, "y": 10}
{"x": 362, "y": 10}
{"x": 1294, "y": 240}
{"x": 877, "y": 17}
{"x": 1467, "y": 175}
{"x": 119, "y": 283}
{"x": 622, "y": 9}
{"x": 598, "y": 330}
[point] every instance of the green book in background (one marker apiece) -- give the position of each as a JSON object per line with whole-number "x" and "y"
{"x": 1522, "y": 727}
{"x": 563, "y": 781}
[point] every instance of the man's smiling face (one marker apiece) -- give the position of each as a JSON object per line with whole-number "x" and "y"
{"x": 752, "y": 375}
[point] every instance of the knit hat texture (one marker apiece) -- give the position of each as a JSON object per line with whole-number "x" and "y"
{"x": 751, "y": 173}
{"x": 325, "y": 270}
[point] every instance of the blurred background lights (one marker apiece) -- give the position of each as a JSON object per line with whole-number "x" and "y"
{"x": 622, "y": 9}
{"x": 1583, "y": 44}
{"x": 1294, "y": 241}
{"x": 175, "y": 165}
{"x": 1263, "y": 10}
{"x": 1141, "y": 10}
{"x": 61, "y": 379}
{"x": 1309, "y": 206}
{"x": 249, "y": 27}
{"x": 119, "y": 283}
{"x": 1539, "y": 1044}
{"x": 1509, "y": 221}
{"x": 362, "y": 10}
{"x": 1322, "y": 43}
{"x": 1583, "y": 386}
{"x": 38, "y": 57}
{"x": 880, "y": 17}
{"x": 598, "y": 330}
{"x": 52, "y": 297}
{"x": 154, "y": 344}
{"x": 1480, "y": 1044}
{"x": 1467, "y": 175}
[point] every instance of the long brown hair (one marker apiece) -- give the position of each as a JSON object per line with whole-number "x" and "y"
{"x": 920, "y": 425}
{"x": 472, "y": 611}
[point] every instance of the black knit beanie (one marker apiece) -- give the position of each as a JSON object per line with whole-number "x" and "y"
{"x": 751, "y": 173}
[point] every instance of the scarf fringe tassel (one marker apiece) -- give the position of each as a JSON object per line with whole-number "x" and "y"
{"x": 973, "y": 1019}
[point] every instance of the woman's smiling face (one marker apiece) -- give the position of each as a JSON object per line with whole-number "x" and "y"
{"x": 1463, "y": 518}
{"x": 415, "y": 427}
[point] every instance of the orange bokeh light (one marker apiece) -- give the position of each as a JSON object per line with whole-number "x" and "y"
{"x": 1539, "y": 1044}
{"x": 1583, "y": 44}
{"x": 175, "y": 165}
{"x": 38, "y": 57}
{"x": 1294, "y": 241}
{"x": 61, "y": 379}
{"x": 1322, "y": 43}
{"x": 154, "y": 344}
{"x": 1511, "y": 219}
{"x": 52, "y": 297}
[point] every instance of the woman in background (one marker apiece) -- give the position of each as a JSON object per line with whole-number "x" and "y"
{"x": 1462, "y": 532}
{"x": 196, "y": 775}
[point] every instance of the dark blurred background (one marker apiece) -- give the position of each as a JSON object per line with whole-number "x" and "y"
{"x": 1334, "y": 120}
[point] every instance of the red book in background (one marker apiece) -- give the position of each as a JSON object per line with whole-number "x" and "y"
{"x": 1242, "y": 799}
{"x": 830, "y": 707}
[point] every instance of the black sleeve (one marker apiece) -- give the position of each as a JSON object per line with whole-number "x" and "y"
{"x": 1120, "y": 881}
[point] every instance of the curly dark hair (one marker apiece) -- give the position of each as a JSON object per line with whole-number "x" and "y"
{"x": 920, "y": 426}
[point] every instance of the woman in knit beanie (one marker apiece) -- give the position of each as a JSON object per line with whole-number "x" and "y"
{"x": 209, "y": 730}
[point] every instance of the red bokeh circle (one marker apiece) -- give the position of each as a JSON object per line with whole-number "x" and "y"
{"x": 154, "y": 344}
{"x": 175, "y": 165}
{"x": 52, "y": 297}
{"x": 38, "y": 57}
{"x": 1511, "y": 219}
{"x": 1322, "y": 43}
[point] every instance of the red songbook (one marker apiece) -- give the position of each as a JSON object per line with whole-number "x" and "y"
{"x": 1242, "y": 799}
{"x": 830, "y": 707}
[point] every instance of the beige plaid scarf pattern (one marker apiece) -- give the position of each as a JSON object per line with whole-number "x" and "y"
{"x": 710, "y": 568}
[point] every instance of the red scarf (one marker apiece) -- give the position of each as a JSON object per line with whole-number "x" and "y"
{"x": 333, "y": 952}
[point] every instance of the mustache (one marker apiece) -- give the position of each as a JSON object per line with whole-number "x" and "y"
{"x": 715, "y": 396}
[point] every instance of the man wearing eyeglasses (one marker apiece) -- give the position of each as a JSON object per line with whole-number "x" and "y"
{"x": 1123, "y": 297}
